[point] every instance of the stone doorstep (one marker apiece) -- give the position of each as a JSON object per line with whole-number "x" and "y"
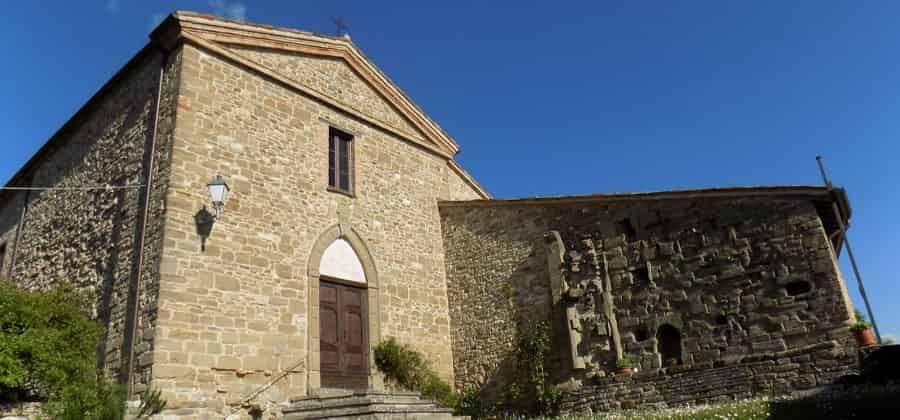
{"x": 366, "y": 404}
{"x": 325, "y": 394}
{"x": 366, "y": 414}
{"x": 375, "y": 405}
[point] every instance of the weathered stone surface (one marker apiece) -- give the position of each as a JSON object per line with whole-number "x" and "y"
{"x": 226, "y": 321}
{"x": 725, "y": 246}
{"x": 90, "y": 238}
{"x": 218, "y": 320}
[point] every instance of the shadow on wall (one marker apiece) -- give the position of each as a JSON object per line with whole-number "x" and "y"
{"x": 204, "y": 221}
{"x": 524, "y": 296}
{"x": 104, "y": 303}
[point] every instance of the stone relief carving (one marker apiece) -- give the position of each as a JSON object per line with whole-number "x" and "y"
{"x": 724, "y": 296}
{"x": 581, "y": 286}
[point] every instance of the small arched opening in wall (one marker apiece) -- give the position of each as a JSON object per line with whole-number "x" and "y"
{"x": 669, "y": 342}
{"x": 798, "y": 288}
{"x": 342, "y": 312}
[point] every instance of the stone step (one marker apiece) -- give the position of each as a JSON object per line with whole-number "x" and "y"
{"x": 329, "y": 396}
{"x": 365, "y": 405}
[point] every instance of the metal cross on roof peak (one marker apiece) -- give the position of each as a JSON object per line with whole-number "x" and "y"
{"x": 340, "y": 26}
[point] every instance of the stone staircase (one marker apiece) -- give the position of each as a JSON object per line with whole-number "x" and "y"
{"x": 366, "y": 405}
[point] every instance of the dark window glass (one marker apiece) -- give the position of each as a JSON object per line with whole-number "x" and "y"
{"x": 340, "y": 161}
{"x": 332, "y": 169}
{"x": 344, "y": 152}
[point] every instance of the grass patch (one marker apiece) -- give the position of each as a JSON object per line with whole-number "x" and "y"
{"x": 754, "y": 409}
{"x": 858, "y": 405}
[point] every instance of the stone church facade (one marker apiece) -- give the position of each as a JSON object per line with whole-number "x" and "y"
{"x": 349, "y": 221}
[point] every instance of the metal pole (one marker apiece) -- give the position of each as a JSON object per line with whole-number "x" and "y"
{"x": 843, "y": 229}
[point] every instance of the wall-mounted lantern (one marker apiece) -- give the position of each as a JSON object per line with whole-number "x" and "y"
{"x": 218, "y": 193}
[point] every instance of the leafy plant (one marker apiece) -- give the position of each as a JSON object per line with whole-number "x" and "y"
{"x": 400, "y": 363}
{"x": 46, "y": 342}
{"x": 624, "y": 363}
{"x": 436, "y": 389}
{"x": 469, "y": 404}
{"x": 48, "y": 350}
{"x": 152, "y": 403}
{"x": 100, "y": 399}
{"x": 861, "y": 322}
{"x": 406, "y": 368}
{"x": 531, "y": 384}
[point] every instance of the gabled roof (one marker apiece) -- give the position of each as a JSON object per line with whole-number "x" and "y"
{"x": 215, "y": 34}
{"x": 212, "y": 34}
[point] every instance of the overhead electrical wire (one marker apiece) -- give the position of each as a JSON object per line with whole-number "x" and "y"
{"x": 89, "y": 188}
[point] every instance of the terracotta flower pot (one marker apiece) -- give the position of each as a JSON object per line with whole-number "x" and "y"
{"x": 626, "y": 371}
{"x": 865, "y": 338}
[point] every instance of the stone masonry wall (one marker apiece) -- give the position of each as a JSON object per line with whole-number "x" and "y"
{"x": 234, "y": 316}
{"x": 736, "y": 278}
{"x": 331, "y": 76}
{"x": 780, "y": 373}
{"x": 88, "y": 238}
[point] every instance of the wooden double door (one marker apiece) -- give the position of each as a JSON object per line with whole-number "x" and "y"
{"x": 343, "y": 334}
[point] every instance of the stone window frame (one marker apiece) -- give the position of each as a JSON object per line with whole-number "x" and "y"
{"x": 336, "y": 161}
{"x": 347, "y": 233}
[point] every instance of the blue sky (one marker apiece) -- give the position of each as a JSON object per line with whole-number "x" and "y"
{"x": 560, "y": 97}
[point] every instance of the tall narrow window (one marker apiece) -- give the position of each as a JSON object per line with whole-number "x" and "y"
{"x": 340, "y": 161}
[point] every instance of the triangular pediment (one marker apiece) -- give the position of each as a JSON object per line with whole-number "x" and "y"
{"x": 330, "y": 68}
{"x": 331, "y": 76}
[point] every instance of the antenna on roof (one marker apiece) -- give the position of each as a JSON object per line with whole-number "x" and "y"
{"x": 846, "y": 240}
{"x": 340, "y": 27}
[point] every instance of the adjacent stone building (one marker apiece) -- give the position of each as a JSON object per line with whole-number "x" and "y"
{"x": 711, "y": 293}
{"x": 348, "y": 221}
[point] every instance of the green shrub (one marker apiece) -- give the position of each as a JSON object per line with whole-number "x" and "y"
{"x": 46, "y": 342}
{"x": 98, "y": 399}
{"x": 861, "y": 323}
{"x": 531, "y": 385}
{"x": 400, "y": 364}
{"x": 48, "y": 352}
{"x": 624, "y": 363}
{"x": 436, "y": 389}
{"x": 468, "y": 403}
{"x": 407, "y": 369}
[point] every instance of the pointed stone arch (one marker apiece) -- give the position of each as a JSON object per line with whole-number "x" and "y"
{"x": 327, "y": 239}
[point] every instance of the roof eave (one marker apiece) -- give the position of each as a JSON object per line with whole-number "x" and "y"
{"x": 20, "y": 177}
{"x": 233, "y": 31}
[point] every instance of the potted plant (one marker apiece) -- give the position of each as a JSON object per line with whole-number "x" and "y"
{"x": 862, "y": 330}
{"x": 624, "y": 366}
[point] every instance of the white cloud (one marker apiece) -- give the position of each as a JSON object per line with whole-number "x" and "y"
{"x": 229, "y": 9}
{"x": 889, "y": 338}
{"x": 156, "y": 19}
{"x": 112, "y": 6}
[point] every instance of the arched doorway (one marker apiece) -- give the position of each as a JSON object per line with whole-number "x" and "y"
{"x": 342, "y": 312}
{"x": 669, "y": 341}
